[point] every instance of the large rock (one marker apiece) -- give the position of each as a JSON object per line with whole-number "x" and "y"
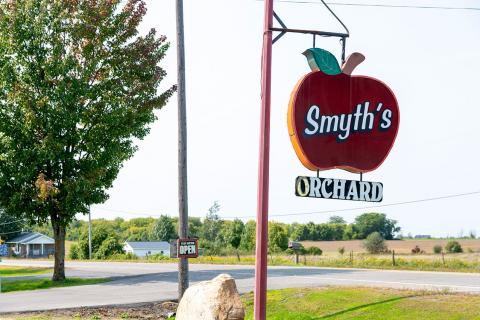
{"x": 216, "y": 299}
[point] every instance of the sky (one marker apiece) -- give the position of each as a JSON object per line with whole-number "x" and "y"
{"x": 430, "y": 58}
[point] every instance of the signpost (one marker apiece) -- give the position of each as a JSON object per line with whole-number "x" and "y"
{"x": 335, "y": 121}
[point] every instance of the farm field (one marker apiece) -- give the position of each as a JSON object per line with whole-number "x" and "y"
{"x": 400, "y": 246}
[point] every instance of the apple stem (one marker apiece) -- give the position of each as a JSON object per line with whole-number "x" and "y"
{"x": 352, "y": 62}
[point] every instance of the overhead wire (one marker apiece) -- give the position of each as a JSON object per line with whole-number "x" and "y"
{"x": 381, "y": 5}
{"x": 371, "y": 207}
{"x": 327, "y": 211}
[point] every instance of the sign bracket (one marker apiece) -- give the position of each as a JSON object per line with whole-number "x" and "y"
{"x": 284, "y": 30}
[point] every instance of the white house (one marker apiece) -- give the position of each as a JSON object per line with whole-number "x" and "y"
{"x": 144, "y": 248}
{"x": 31, "y": 245}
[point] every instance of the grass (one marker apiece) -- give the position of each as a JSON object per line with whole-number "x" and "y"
{"x": 366, "y": 303}
{"x": 9, "y": 271}
{"x": 22, "y": 285}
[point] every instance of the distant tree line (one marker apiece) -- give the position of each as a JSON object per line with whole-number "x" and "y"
{"x": 218, "y": 236}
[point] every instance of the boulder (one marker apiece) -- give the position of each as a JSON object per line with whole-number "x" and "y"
{"x": 216, "y": 299}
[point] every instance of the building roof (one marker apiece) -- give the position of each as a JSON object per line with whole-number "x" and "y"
{"x": 148, "y": 245}
{"x": 31, "y": 238}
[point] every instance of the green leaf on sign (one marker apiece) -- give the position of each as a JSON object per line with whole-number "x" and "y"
{"x": 319, "y": 59}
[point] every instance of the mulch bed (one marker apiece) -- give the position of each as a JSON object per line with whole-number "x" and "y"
{"x": 154, "y": 310}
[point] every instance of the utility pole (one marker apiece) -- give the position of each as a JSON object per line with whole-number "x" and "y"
{"x": 89, "y": 234}
{"x": 182, "y": 151}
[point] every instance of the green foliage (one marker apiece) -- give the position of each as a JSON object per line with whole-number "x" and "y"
{"x": 376, "y": 222}
{"x": 234, "y": 233}
{"x": 109, "y": 247}
{"x": 375, "y": 243}
{"x": 437, "y": 249}
{"x": 336, "y": 220}
{"x": 453, "y": 247}
{"x": 78, "y": 87}
{"x": 75, "y": 252}
{"x": 277, "y": 237}
{"x": 248, "y": 237}
{"x": 212, "y": 224}
{"x": 163, "y": 229}
{"x": 314, "y": 251}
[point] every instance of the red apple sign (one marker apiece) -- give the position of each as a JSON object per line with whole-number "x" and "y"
{"x": 337, "y": 120}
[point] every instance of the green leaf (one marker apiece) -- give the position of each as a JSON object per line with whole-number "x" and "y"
{"x": 319, "y": 59}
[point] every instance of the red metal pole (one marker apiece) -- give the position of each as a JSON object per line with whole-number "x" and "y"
{"x": 263, "y": 170}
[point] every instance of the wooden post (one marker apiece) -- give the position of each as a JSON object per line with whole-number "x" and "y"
{"x": 393, "y": 257}
{"x": 182, "y": 150}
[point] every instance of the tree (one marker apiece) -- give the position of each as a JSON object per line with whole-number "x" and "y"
{"x": 300, "y": 233}
{"x": 249, "y": 236}
{"x": 163, "y": 229}
{"x": 78, "y": 85}
{"x": 336, "y": 220}
{"x": 212, "y": 225}
{"x": 109, "y": 247}
{"x": 374, "y": 243}
{"x": 277, "y": 237}
{"x": 453, "y": 247}
{"x": 234, "y": 235}
{"x": 375, "y": 222}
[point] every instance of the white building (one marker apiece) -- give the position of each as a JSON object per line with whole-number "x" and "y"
{"x": 144, "y": 248}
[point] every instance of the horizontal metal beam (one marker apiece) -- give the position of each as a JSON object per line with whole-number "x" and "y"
{"x": 320, "y": 33}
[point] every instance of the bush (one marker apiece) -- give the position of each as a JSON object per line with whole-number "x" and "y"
{"x": 453, "y": 247}
{"x": 375, "y": 243}
{"x": 341, "y": 250}
{"x": 109, "y": 247}
{"x": 75, "y": 252}
{"x": 437, "y": 249}
{"x": 314, "y": 251}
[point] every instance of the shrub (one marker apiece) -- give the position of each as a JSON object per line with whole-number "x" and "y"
{"x": 109, "y": 247}
{"x": 314, "y": 251}
{"x": 341, "y": 250}
{"x": 453, "y": 247}
{"x": 437, "y": 249}
{"x": 375, "y": 243}
{"x": 75, "y": 252}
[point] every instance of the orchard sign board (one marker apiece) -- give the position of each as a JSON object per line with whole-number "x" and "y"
{"x": 340, "y": 121}
{"x": 316, "y": 187}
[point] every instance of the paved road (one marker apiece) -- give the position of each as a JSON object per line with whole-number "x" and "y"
{"x": 146, "y": 282}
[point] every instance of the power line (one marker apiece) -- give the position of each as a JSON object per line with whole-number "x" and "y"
{"x": 326, "y": 211}
{"x": 382, "y": 5}
{"x": 15, "y": 221}
{"x": 373, "y": 207}
{"x": 11, "y": 232}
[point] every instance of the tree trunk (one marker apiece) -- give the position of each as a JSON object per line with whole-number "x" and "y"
{"x": 59, "y": 266}
{"x": 238, "y": 255}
